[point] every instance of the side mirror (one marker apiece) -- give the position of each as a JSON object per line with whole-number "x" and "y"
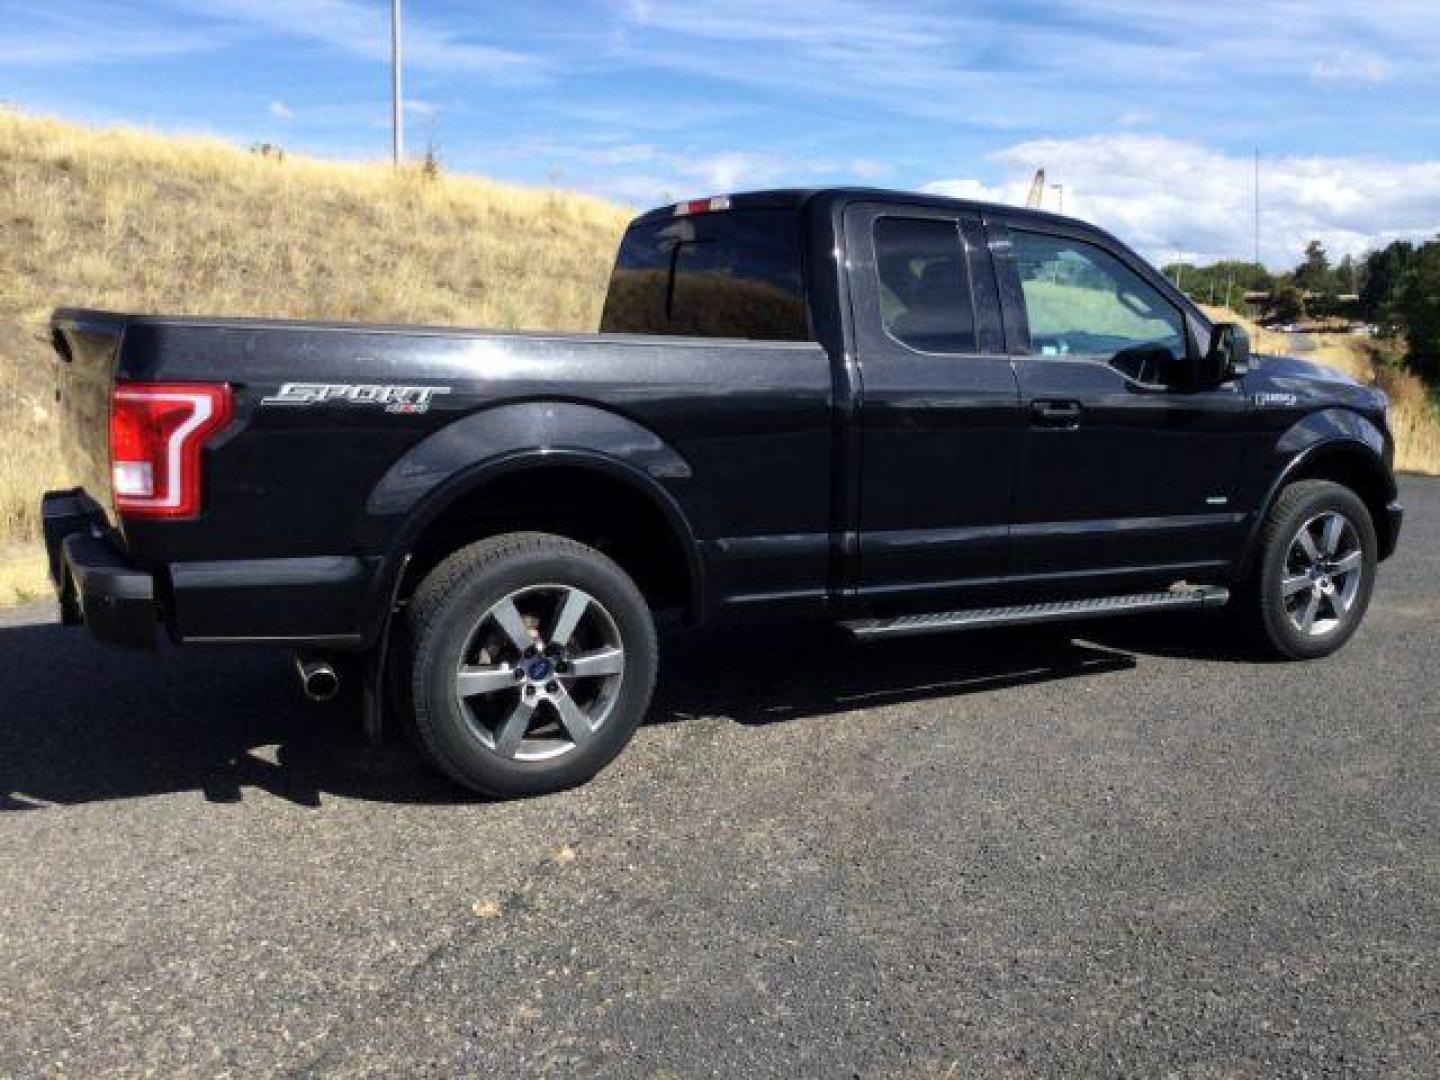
{"x": 1228, "y": 356}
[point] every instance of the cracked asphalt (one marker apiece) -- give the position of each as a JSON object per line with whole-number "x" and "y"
{"x": 1122, "y": 849}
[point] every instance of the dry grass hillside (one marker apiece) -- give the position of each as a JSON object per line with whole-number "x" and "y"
{"x": 143, "y": 222}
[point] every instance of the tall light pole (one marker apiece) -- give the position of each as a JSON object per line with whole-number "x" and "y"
{"x": 397, "y": 102}
{"x": 1059, "y": 190}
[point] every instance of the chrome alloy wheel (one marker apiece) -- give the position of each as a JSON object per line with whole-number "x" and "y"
{"x": 541, "y": 672}
{"x": 1323, "y": 571}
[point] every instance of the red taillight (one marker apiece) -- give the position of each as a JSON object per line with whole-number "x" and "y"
{"x": 156, "y": 432}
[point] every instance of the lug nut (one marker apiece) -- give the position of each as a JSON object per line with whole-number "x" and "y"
{"x": 529, "y": 691}
{"x": 552, "y": 686}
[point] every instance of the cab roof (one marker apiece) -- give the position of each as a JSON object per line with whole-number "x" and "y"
{"x": 798, "y": 198}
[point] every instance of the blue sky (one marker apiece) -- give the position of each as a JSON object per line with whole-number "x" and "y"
{"x": 1148, "y": 111}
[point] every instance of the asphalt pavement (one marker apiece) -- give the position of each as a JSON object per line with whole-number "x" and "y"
{"x": 1124, "y": 849}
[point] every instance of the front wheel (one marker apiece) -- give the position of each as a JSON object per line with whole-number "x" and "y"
{"x": 1316, "y": 570}
{"x": 534, "y": 661}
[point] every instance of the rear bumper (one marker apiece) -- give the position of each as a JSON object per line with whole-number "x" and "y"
{"x": 320, "y": 601}
{"x": 94, "y": 583}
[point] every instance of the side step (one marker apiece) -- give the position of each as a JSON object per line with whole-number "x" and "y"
{"x": 1019, "y": 614}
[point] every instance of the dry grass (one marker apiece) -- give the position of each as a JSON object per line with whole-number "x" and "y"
{"x": 23, "y": 574}
{"x": 1413, "y": 415}
{"x": 1413, "y": 418}
{"x": 136, "y": 221}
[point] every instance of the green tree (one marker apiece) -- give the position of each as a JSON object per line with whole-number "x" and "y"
{"x": 1316, "y": 279}
{"x": 1287, "y": 303}
{"x": 1382, "y": 273}
{"x": 1347, "y": 275}
{"x": 1417, "y": 303}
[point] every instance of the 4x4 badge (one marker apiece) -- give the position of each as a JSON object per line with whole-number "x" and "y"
{"x": 395, "y": 399}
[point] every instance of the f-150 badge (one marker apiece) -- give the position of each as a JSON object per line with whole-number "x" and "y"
{"x": 395, "y": 399}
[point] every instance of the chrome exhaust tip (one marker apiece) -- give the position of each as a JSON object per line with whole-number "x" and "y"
{"x": 319, "y": 681}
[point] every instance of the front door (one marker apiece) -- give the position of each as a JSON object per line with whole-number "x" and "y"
{"x": 940, "y": 421}
{"x": 1129, "y": 471}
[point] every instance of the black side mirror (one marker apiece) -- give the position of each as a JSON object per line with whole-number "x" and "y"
{"x": 1228, "y": 356}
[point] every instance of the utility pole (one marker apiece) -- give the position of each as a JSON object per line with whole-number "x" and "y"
{"x": 1257, "y": 206}
{"x": 397, "y": 101}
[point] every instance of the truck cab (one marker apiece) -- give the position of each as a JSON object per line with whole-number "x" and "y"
{"x": 1025, "y": 410}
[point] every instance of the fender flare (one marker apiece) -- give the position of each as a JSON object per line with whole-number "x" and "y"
{"x": 1351, "y": 443}
{"x": 485, "y": 446}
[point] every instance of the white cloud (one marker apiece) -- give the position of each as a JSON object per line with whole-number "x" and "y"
{"x": 870, "y": 169}
{"x": 1012, "y": 192}
{"x": 280, "y": 109}
{"x": 1168, "y": 195}
{"x": 1352, "y": 65}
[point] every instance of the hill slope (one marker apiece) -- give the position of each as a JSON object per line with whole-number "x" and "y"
{"x": 142, "y": 222}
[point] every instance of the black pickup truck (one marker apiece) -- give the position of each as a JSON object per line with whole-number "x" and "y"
{"x": 908, "y": 413}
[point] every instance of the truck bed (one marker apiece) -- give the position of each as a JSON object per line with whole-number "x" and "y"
{"x": 316, "y": 486}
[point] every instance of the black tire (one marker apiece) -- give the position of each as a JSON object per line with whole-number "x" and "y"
{"x": 451, "y": 607}
{"x": 1280, "y": 558}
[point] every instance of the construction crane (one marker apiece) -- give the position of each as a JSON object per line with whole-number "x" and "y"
{"x": 1037, "y": 190}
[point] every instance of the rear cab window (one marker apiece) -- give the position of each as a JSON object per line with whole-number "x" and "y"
{"x": 925, "y": 299}
{"x": 728, "y": 274}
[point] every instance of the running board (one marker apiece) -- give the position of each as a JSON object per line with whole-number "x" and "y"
{"x": 1020, "y": 614}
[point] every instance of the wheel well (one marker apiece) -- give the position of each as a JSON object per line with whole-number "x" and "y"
{"x": 586, "y": 505}
{"x": 1360, "y": 474}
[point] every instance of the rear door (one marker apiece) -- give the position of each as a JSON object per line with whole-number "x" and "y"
{"x": 939, "y": 418}
{"x": 1129, "y": 471}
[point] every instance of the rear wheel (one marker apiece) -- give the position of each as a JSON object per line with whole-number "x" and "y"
{"x": 1316, "y": 569}
{"x": 534, "y": 661}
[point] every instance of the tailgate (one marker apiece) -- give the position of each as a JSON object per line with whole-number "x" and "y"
{"x": 87, "y": 343}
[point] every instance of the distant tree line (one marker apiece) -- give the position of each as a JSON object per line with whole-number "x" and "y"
{"x": 1395, "y": 288}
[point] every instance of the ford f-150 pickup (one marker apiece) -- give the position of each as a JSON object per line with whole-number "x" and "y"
{"x": 908, "y": 413}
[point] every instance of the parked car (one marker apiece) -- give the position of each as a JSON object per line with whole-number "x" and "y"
{"x": 907, "y": 413}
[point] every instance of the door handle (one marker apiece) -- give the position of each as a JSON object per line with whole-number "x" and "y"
{"x": 1061, "y": 414}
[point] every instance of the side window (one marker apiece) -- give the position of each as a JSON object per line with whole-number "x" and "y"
{"x": 1082, "y": 301}
{"x": 925, "y": 300}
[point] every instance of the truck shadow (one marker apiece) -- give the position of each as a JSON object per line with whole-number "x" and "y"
{"x": 82, "y": 723}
